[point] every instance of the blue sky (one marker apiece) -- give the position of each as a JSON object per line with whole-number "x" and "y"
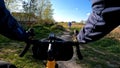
{"x": 71, "y": 10}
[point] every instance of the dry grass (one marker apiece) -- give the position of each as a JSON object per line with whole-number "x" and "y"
{"x": 115, "y": 33}
{"x": 74, "y": 25}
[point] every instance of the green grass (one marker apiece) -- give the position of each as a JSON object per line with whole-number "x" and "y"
{"x": 44, "y": 31}
{"x": 4, "y": 39}
{"x": 10, "y": 49}
{"x": 104, "y": 53}
{"x": 10, "y": 52}
{"x": 107, "y": 44}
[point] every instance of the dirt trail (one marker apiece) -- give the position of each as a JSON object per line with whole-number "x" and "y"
{"x": 71, "y": 63}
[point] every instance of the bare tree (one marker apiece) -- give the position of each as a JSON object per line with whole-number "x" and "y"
{"x": 48, "y": 12}
{"x": 45, "y": 11}
{"x": 8, "y": 3}
{"x": 13, "y": 5}
{"x": 30, "y": 9}
{"x": 41, "y": 8}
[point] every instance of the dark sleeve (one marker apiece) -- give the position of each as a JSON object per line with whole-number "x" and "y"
{"x": 2, "y": 5}
{"x": 101, "y": 21}
{"x": 9, "y": 27}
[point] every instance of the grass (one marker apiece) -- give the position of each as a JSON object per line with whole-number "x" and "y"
{"x": 10, "y": 49}
{"x": 4, "y": 39}
{"x": 100, "y": 54}
{"x": 43, "y": 31}
{"x": 103, "y": 53}
{"x": 74, "y": 25}
{"x": 10, "y": 52}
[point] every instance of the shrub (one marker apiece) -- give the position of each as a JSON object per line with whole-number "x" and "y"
{"x": 54, "y": 27}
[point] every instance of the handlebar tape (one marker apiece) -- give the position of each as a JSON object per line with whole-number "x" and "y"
{"x": 80, "y": 57}
{"x": 25, "y": 50}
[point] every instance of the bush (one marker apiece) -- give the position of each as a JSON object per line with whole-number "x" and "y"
{"x": 59, "y": 27}
{"x": 41, "y": 31}
{"x": 4, "y": 39}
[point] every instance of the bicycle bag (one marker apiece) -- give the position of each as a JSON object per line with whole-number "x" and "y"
{"x": 61, "y": 52}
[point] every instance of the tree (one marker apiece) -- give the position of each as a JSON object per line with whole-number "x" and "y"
{"x": 48, "y": 13}
{"x": 30, "y": 6}
{"x": 8, "y": 3}
{"x": 45, "y": 11}
{"x": 41, "y": 8}
{"x": 30, "y": 9}
{"x": 13, "y": 3}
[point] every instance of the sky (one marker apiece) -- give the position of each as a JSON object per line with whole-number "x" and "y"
{"x": 71, "y": 10}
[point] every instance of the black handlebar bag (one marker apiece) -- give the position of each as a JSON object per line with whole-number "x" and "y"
{"x": 61, "y": 52}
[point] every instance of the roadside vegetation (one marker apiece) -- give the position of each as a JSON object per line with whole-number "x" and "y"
{"x": 103, "y": 53}
{"x": 10, "y": 49}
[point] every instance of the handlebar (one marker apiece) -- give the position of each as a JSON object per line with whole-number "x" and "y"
{"x": 52, "y": 40}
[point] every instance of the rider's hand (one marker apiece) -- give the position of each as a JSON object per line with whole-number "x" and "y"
{"x": 75, "y": 35}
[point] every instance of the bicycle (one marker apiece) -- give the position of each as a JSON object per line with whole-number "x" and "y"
{"x": 53, "y": 50}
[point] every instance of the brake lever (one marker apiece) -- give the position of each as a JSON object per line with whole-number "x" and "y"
{"x": 26, "y": 48}
{"x": 31, "y": 34}
{"x": 77, "y": 45}
{"x": 80, "y": 57}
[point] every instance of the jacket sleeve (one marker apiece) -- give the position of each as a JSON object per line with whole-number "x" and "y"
{"x": 101, "y": 21}
{"x": 9, "y": 27}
